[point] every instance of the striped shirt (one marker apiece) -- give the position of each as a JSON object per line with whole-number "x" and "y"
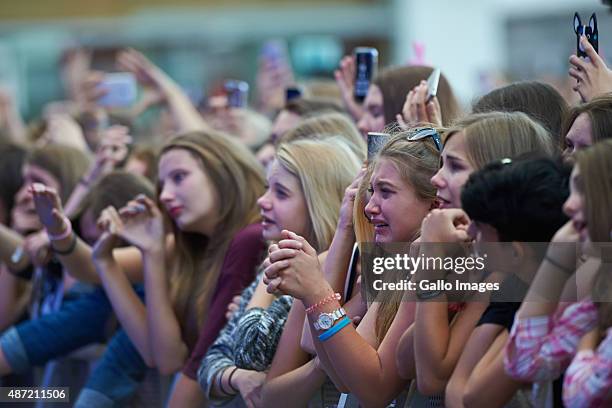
{"x": 247, "y": 341}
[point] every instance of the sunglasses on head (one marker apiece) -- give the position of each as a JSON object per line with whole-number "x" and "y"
{"x": 425, "y": 133}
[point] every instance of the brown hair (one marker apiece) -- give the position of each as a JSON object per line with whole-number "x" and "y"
{"x": 148, "y": 155}
{"x": 239, "y": 180}
{"x": 326, "y": 125}
{"x": 396, "y": 82}
{"x": 599, "y": 111}
{"x": 596, "y": 170}
{"x": 540, "y": 101}
{"x": 66, "y": 164}
{"x": 496, "y": 135}
{"x": 13, "y": 156}
{"x": 309, "y": 106}
{"x": 114, "y": 189}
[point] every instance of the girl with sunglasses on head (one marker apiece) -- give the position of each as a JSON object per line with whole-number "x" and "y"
{"x": 362, "y": 361}
{"x": 429, "y": 350}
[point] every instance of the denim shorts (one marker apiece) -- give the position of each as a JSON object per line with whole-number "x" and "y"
{"x": 81, "y": 320}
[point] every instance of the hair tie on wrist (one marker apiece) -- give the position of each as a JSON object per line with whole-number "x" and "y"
{"x": 69, "y": 250}
{"x": 229, "y": 381}
{"x": 63, "y": 235}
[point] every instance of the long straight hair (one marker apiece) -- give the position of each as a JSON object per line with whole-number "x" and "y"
{"x": 239, "y": 180}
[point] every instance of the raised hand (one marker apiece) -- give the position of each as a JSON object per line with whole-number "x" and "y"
{"x": 592, "y": 75}
{"x": 147, "y": 73}
{"x": 345, "y": 78}
{"x": 141, "y": 224}
{"x": 108, "y": 222}
{"x": 345, "y": 220}
{"x": 273, "y": 77}
{"x": 49, "y": 208}
{"x": 418, "y": 110}
{"x": 111, "y": 151}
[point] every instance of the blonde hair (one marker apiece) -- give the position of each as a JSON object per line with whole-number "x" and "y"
{"x": 325, "y": 125}
{"x": 324, "y": 168}
{"x": 496, "y": 135}
{"x": 416, "y": 163}
{"x": 67, "y": 164}
{"x": 239, "y": 180}
{"x": 364, "y": 230}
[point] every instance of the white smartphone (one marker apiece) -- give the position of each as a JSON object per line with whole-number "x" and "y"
{"x": 120, "y": 88}
{"x": 432, "y": 84}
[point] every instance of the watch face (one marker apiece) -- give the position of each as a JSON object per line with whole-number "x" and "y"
{"x": 325, "y": 321}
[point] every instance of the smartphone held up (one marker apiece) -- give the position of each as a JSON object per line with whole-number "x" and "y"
{"x": 589, "y": 31}
{"x": 120, "y": 90}
{"x": 366, "y": 64}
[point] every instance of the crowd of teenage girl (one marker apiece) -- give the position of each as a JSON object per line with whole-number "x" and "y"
{"x": 224, "y": 251}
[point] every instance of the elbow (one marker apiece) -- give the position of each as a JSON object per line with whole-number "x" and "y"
{"x": 149, "y": 363}
{"x": 169, "y": 367}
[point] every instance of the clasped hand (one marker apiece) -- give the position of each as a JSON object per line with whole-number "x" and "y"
{"x": 294, "y": 268}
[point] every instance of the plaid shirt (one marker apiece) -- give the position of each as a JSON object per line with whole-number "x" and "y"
{"x": 588, "y": 379}
{"x": 541, "y": 347}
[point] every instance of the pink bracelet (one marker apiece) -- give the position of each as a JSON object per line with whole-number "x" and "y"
{"x": 327, "y": 299}
{"x": 64, "y": 234}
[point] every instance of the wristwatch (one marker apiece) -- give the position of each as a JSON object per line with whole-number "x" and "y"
{"x": 325, "y": 321}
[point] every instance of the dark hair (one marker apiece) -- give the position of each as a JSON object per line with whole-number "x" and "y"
{"x": 521, "y": 198}
{"x": 540, "y": 101}
{"x": 396, "y": 82}
{"x": 115, "y": 189}
{"x": 12, "y": 158}
{"x": 307, "y": 107}
{"x": 599, "y": 111}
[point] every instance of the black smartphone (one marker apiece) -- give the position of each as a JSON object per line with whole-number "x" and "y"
{"x": 292, "y": 92}
{"x": 589, "y": 31}
{"x": 366, "y": 64}
{"x": 237, "y": 93}
{"x": 376, "y": 141}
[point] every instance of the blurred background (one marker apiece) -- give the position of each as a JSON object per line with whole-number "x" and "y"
{"x": 478, "y": 44}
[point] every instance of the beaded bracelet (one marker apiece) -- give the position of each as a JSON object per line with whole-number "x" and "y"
{"x": 64, "y": 234}
{"x": 345, "y": 321}
{"x": 327, "y": 299}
